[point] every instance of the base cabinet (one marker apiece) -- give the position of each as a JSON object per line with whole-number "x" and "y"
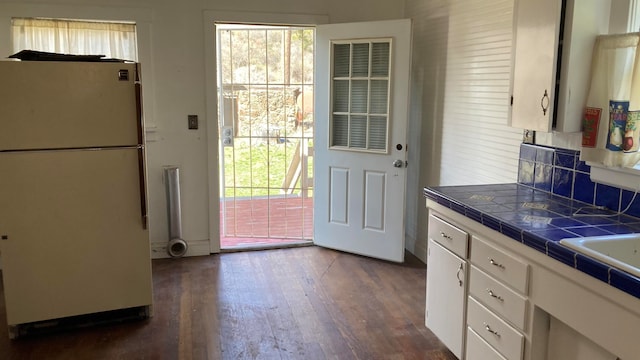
{"x": 446, "y": 284}
{"x": 520, "y": 303}
{"x": 478, "y": 349}
{"x": 446, "y": 295}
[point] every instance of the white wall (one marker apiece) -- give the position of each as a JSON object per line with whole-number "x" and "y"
{"x": 459, "y": 104}
{"x": 172, "y": 53}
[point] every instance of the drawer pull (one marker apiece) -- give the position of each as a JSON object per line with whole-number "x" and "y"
{"x": 445, "y": 236}
{"x": 489, "y": 329}
{"x": 458, "y": 274}
{"x": 494, "y": 263}
{"x": 493, "y": 295}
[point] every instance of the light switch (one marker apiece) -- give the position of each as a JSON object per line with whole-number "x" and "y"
{"x": 193, "y": 122}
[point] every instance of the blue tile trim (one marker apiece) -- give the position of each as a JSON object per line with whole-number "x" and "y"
{"x": 534, "y": 241}
{"x": 625, "y": 282}
{"x": 512, "y": 232}
{"x": 474, "y": 214}
{"x": 443, "y": 201}
{"x": 592, "y": 267}
{"x": 561, "y": 253}
{"x": 490, "y": 222}
{"x": 459, "y": 208}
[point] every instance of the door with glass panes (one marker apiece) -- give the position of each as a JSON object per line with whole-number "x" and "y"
{"x": 362, "y": 92}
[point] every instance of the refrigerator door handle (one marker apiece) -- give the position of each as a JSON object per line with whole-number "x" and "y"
{"x": 143, "y": 187}
{"x": 139, "y": 113}
{"x": 141, "y": 165}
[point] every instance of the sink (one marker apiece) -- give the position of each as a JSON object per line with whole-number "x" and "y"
{"x": 618, "y": 251}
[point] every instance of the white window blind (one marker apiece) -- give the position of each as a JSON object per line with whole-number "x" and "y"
{"x": 113, "y": 40}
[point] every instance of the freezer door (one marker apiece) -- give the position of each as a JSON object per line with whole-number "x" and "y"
{"x": 52, "y": 105}
{"x": 73, "y": 240}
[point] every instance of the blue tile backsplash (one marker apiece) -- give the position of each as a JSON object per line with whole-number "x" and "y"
{"x": 560, "y": 172}
{"x": 553, "y": 199}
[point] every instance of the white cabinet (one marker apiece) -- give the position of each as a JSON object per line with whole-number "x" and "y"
{"x": 478, "y": 349}
{"x": 504, "y": 338}
{"x": 534, "y": 307}
{"x": 497, "y": 305}
{"x": 446, "y": 284}
{"x": 552, "y": 61}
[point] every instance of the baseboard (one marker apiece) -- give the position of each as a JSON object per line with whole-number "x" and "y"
{"x": 416, "y": 247}
{"x": 195, "y": 248}
{"x": 421, "y": 251}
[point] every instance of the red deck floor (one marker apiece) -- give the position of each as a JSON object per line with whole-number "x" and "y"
{"x": 265, "y": 221}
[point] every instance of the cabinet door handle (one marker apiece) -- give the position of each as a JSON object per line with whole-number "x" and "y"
{"x": 445, "y": 236}
{"x": 489, "y": 329}
{"x": 496, "y": 264}
{"x": 460, "y": 268}
{"x": 493, "y": 295}
{"x": 544, "y": 104}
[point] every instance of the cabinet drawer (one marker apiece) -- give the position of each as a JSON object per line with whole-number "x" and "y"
{"x": 497, "y": 297}
{"x": 504, "y": 338}
{"x": 478, "y": 349}
{"x": 500, "y": 264}
{"x": 449, "y": 236}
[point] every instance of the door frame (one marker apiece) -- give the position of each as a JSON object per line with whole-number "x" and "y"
{"x": 210, "y": 17}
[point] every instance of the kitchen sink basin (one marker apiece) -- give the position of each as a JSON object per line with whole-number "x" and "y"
{"x": 618, "y": 251}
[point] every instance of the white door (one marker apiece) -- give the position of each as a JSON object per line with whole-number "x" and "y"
{"x": 362, "y": 92}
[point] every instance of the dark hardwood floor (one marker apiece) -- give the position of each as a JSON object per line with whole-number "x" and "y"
{"x": 299, "y": 303}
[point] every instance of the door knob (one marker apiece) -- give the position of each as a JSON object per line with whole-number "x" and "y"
{"x": 398, "y": 163}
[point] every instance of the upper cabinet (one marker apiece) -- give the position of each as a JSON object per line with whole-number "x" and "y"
{"x": 552, "y": 61}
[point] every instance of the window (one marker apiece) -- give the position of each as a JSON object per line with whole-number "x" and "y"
{"x": 111, "y": 39}
{"x": 360, "y": 95}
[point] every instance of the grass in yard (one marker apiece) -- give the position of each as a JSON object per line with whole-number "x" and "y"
{"x": 256, "y": 171}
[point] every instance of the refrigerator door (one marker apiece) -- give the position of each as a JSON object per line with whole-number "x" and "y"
{"x": 54, "y": 105}
{"x": 73, "y": 239}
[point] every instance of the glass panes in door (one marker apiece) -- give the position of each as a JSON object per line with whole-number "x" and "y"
{"x": 360, "y": 95}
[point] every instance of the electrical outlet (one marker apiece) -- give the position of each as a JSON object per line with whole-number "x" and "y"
{"x": 528, "y": 136}
{"x": 193, "y": 122}
{"x": 227, "y": 135}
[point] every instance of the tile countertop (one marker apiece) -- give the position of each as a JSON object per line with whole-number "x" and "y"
{"x": 540, "y": 220}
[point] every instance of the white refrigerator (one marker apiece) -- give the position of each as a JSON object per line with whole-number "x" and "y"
{"x": 73, "y": 206}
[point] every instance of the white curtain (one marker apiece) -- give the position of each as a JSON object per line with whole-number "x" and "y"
{"x": 611, "y": 125}
{"x": 113, "y": 40}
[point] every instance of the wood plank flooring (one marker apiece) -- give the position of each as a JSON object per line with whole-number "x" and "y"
{"x": 299, "y": 303}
